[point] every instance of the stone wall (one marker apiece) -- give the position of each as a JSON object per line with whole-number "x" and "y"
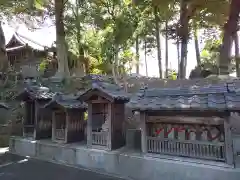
{"x": 124, "y": 163}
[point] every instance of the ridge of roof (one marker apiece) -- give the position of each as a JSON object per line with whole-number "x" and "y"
{"x": 112, "y": 90}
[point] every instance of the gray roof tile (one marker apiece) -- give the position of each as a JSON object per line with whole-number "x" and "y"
{"x": 213, "y": 97}
{"x": 234, "y": 86}
{"x": 36, "y": 92}
{"x": 66, "y": 101}
{"x": 213, "y": 88}
{"x": 233, "y": 100}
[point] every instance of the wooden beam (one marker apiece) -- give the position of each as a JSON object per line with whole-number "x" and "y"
{"x": 228, "y": 141}
{"x": 186, "y": 120}
{"x": 99, "y": 101}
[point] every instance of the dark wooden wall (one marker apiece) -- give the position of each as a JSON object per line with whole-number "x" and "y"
{"x": 29, "y": 116}
{"x": 75, "y": 125}
{"x": 118, "y": 116}
{"x": 43, "y": 122}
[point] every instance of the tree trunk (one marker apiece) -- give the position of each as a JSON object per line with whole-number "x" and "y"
{"x": 230, "y": 30}
{"x": 184, "y": 36}
{"x": 63, "y": 70}
{"x": 81, "y": 55}
{"x": 237, "y": 55}
{"x": 137, "y": 55}
{"x": 178, "y": 54}
{"x": 3, "y": 54}
{"x": 115, "y": 72}
{"x": 197, "y": 49}
{"x": 158, "y": 41}
{"x": 166, "y": 50}
{"x": 145, "y": 56}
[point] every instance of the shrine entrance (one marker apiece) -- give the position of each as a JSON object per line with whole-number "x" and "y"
{"x": 105, "y": 115}
{"x": 29, "y": 121}
{"x": 59, "y": 132}
{"x": 100, "y": 123}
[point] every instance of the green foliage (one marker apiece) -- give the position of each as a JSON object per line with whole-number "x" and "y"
{"x": 103, "y": 32}
{"x": 43, "y": 66}
{"x": 85, "y": 116}
{"x": 209, "y": 57}
{"x": 172, "y": 74}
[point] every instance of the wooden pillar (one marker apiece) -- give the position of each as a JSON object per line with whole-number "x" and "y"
{"x": 26, "y": 116}
{"x": 228, "y": 141}
{"x": 67, "y": 121}
{"x": 110, "y": 129}
{"x": 81, "y": 127}
{"x": 53, "y": 125}
{"x": 35, "y": 121}
{"x": 89, "y": 126}
{"x": 143, "y": 132}
{"x": 25, "y": 113}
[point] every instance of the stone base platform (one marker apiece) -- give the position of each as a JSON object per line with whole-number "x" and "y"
{"x": 124, "y": 163}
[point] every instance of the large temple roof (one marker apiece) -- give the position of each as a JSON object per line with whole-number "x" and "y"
{"x": 20, "y": 41}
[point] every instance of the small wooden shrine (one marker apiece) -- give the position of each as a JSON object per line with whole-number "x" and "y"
{"x": 3, "y": 105}
{"x": 68, "y": 123}
{"x": 190, "y": 122}
{"x": 105, "y": 115}
{"x": 37, "y": 122}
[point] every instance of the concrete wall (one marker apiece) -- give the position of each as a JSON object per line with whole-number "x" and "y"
{"x": 124, "y": 164}
{"x": 4, "y": 116}
{"x": 22, "y": 146}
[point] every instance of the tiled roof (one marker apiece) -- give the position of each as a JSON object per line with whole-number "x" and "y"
{"x": 233, "y": 101}
{"x": 112, "y": 90}
{"x": 36, "y": 92}
{"x": 211, "y": 97}
{"x": 4, "y": 105}
{"x": 191, "y": 90}
{"x": 66, "y": 101}
{"x": 24, "y": 40}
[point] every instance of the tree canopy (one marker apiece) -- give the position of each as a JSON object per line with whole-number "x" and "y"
{"x": 107, "y": 36}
